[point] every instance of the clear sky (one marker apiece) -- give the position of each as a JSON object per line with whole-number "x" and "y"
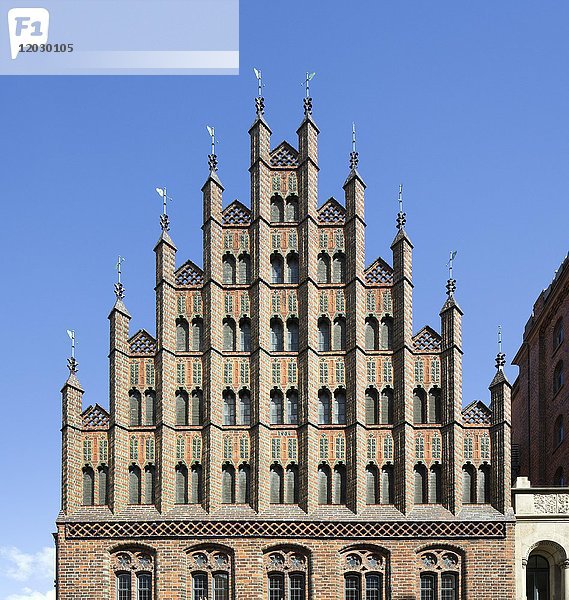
{"x": 465, "y": 103}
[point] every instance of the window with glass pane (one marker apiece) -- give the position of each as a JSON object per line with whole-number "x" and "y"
{"x": 123, "y": 586}
{"x": 352, "y": 587}
{"x": 221, "y": 586}
{"x": 448, "y": 586}
{"x": 428, "y": 587}
{"x": 276, "y": 587}
{"x": 296, "y": 586}
{"x": 144, "y": 584}
{"x": 199, "y": 586}
{"x": 373, "y": 587}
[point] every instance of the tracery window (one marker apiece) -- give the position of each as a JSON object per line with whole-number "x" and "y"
{"x": 287, "y": 574}
{"x": 210, "y": 574}
{"x": 439, "y": 573}
{"x": 365, "y": 574}
{"x": 134, "y": 574}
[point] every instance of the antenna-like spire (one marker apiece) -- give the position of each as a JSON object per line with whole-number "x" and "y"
{"x": 307, "y": 97}
{"x": 451, "y": 283}
{"x": 354, "y": 157}
{"x": 212, "y": 158}
{"x": 72, "y": 364}
{"x": 164, "y": 219}
{"x": 119, "y": 287}
{"x": 401, "y": 216}
{"x": 259, "y": 100}
{"x": 500, "y": 357}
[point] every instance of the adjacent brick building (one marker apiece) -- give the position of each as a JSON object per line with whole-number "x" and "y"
{"x": 285, "y": 434}
{"x": 540, "y": 399}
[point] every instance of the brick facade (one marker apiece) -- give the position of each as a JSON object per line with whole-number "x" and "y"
{"x": 285, "y": 427}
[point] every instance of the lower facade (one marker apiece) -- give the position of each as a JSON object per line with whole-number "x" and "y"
{"x": 181, "y": 560}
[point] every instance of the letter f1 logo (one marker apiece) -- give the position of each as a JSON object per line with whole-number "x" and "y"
{"x": 27, "y": 26}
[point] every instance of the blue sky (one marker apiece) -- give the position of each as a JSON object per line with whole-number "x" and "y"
{"x": 463, "y": 102}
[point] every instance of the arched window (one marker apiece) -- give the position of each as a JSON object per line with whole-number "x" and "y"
{"x": 228, "y": 263}
{"x": 199, "y": 586}
{"x": 323, "y": 335}
{"x": 558, "y": 334}
{"x": 291, "y": 209}
{"x": 324, "y": 407}
{"x": 372, "y": 485}
{"x": 339, "y": 496}
{"x": 292, "y": 407}
{"x": 144, "y": 586}
{"x": 537, "y": 578}
{"x": 228, "y": 484}
{"x": 197, "y": 335}
{"x": 277, "y": 209}
{"x": 339, "y": 408}
{"x": 286, "y": 574}
{"x": 244, "y": 408}
{"x": 182, "y": 335}
{"x": 323, "y": 268}
{"x": 196, "y": 410}
{"x": 339, "y": 333}
{"x": 135, "y": 404}
{"x": 291, "y": 485}
{"x": 88, "y": 486}
{"x": 419, "y": 405}
{"x": 134, "y": 485}
{"x": 134, "y": 572}
{"x": 435, "y": 406}
{"x": 277, "y": 407}
{"x": 387, "y": 487}
{"x": 559, "y": 430}
{"x": 243, "y": 484}
{"x": 372, "y": 334}
{"x": 324, "y": 485}
{"x": 277, "y": 488}
{"x": 352, "y": 587}
{"x": 387, "y": 406}
{"x": 228, "y": 407}
{"x": 103, "y": 485}
{"x": 149, "y": 484}
{"x": 149, "y": 407}
{"x": 196, "y": 484}
{"x": 292, "y": 268}
{"x": 181, "y": 484}
{"x": 364, "y": 574}
{"x": 372, "y": 407}
{"x": 277, "y": 338}
{"x": 386, "y": 333}
{"x": 428, "y": 586}
{"x": 338, "y": 268}
{"x": 277, "y": 270}
{"x": 559, "y": 477}
{"x": 181, "y": 408}
{"x": 210, "y": 573}
{"x": 558, "y": 378}
{"x": 124, "y": 589}
{"x": 292, "y": 335}
{"x": 245, "y": 335}
{"x": 435, "y": 485}
{"x": 484, "y": 484}
{"x": 229, "y": 335}
{"x": 468, "y": 484}
{"x": 421, "y": 488}
{"x": 244, "y": 268}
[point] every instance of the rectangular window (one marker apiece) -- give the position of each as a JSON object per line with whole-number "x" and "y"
{"x": 387, "y": 304}
{"x": 388, "y": 448}
{"x": 150, "y": 449}
{"x": 371, "y": 449}
{"x": 276, "y": 303}
{"x": 243, "y": 241}
{"x": 276, "y": 241}
{"x": 244, "y": 448}
{"x": 435, "y": 370}
{"x": 87, "y": 450}
{"x": 292, "y": 449}
{"x": 180, "y": 448}
{"x": 196, "y": 448}
{"x": 292, "y": 241}
{"x": 133, "y": 448}
{"x": 323, "y": 372}
{"x": 134, "y": 373}
{"x": 419, "y": 447}
{"x": 228, "y": 373}
{"x": 144, "y": 585}
{"x": 197, "y": 373}
{"x": 448, "y": 586}
{"x": 181, "y": 373}
{"x": 387, "y": 370}
{"x": 323, "y": 302}
{"x": 352, "y": 587}
{"x": 468, "y": 448}
{"x": 228, "y": 304}
{"x": 340, "y": 372}
{"x": 292, "y": 306}
{"x": 436, "y": 449}
{"x": 340, "y": 448}
{"x": 228, "y": 241}
{"x": 150, "y": 373}
{"x": 123, "y": 586}
{"x": 227, "y": 448}
{"x": 244, "y": 373}
{"x": 428, "y": 587}
{"x": 276, "y": 372}
{"x": 323, "y": 448}
{"x": 103, "y": 450}
{"x": 292, "y": 372}
{"x": 181, "y": 305}
{"x": 276, "y": 449}
{"x": 339, "y": 235}
{"x": 485, "y": 447}
{"x": 199, "y": 586}
{"x": 323, "y": 240}
{"x": 371, "y": 371}
{"x": 370, "y": 302}
{"x": 197, "y": 303}
{"x": 276, "y": 587}
{"x": 340, "y": 302}
{"x": 296, "y": 586}
{"x": 245, "y": 303}
{"x": 419, "y": 370}
{"x": 221, "y": 586}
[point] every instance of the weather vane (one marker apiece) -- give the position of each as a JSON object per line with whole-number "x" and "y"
{"x": 451, "y": 283}
{"x": 308, "y": 79}
{"x": 212, "y": 158}
{"x": 119, "y": 287}
{"x": 259, "y": 100}
{"x": 501, "y": 357}
{"x": 401, "y": 216}
{"x": 71, "y": 362}
{"x": 164, "y": 220}
{"x": 353, "y": 154}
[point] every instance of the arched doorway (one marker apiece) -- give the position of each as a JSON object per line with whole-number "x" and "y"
{"x": 537, "y": 578}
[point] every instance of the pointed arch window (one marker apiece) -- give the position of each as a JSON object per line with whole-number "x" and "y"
{"x": 371, "y": 334}
{"x": 468, "y": 484}
{"x": 277, "y": 407}
{"x": 150, "y": 407}
{"x": 558, "y": 334}
{"x": 291, "y": 485}
{"x": 244, "y": 270}
{"x": 228, "y": 484}
{"x": 372, "y": 485}
{"x": 435, "y": 413}
{"x": 292, "y": 407}
{"x": 559, "y": 430}
{"x": 229, "y": 335}
{"x": 228, "y": 407}
{"x": 292, "y": 335}
{"x": 277, "y": 209}
{"x": 419, "y": 405}
{"x": 339, "y": 333}
{"x": 291, "y": 208}
{"x": 339, "y": 408}
{"x": 323, "y": 268}
{"x": 182, "y": 335}
{"x": 244, "y": 408}
{"x": 197, "y": 334}
{"x": 277, "y": 338}
{"x": 386, "y": 333}
{"x": 421, "y": 485}
{"x": 324, "y": 407}
{"x": 372, "y": 407}
{"x": 181, "y": 408}
{"x": 245, "y": 335}
{"x": 103, "y": 485}
{"x": 229, "y": 270}
{"x": 323, "y": 335}
{"x": 558, "y": 377}
{"x": 135, "y": 404}
{"x": 181, "y": 496}
{"x": 387, "y": 485}
{"x": 435, "y": 485}
{"x": 134, "y": 487}
{"x": 196, "y": 409}
{"x": 483, "y": 484}
{"x": 292, "y": 269}
{"x": 195, "y": 495}
{"x": 339, "y": 268}
{"x": 339, "y": 495}
{"x": 88, "y": 486}
{"x": 149, "y": 477}
{"x": 559, "y": 477}
{"x": 277, "y": 268}
{"x": 277, "y": 487}
{"x": 243, "y": 484}
{"x": 324, "y": 485}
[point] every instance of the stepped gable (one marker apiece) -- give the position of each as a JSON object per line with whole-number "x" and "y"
{"x": 427, "y": 340}
{"x": 236, "y": 214}
{"x": 379, "y": 273}
{"x": 95, "y": 417}
{"x": 284, "y": 155}
{"x": 142, "y": 343}
{"x": 189, "y": 274}
{"x": 332, "y": 213}
{"x": 477, "y": 413}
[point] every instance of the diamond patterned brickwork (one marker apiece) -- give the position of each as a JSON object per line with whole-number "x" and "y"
{"x": 379, "y": 273}
{"x": 189, "y": 274}
{"x": 427, "y": 340}
{"x": 95, "y": 417}
{"x": 284, "y": 155}
{"x": 142, "y": 343}
{"x": 236, "y": 214}
{"x": 477, "y": 413}
{"x": 332, "y": 212}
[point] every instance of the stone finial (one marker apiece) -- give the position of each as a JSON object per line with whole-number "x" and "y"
{"x": 119, "y": 290}
{"x": 354, "y": 156}
{"x": 451, "y": 287}
{"x": 72, "y": 365}
{"x": 260, "y": 106}
{"x": 401, "y": 216}
{"x": 165, "y": 222}
{"x": 500, "y": 361}
{"x": 307, "y": 106}
{"x": 212, "y": 162}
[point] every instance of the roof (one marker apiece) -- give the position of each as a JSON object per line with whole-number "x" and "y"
{"x": 284, "y": 155}
{"x": 331, "y": 212}
{"x": 378, "y": 273}
{"x": 477, "y": 413}
{"x": 189, "y": 274}
{"x": 142, "y": 343}
{"x": 236, "y": 214}
{"x": 427, "y": 340}
{"x": 95, "y": 417}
